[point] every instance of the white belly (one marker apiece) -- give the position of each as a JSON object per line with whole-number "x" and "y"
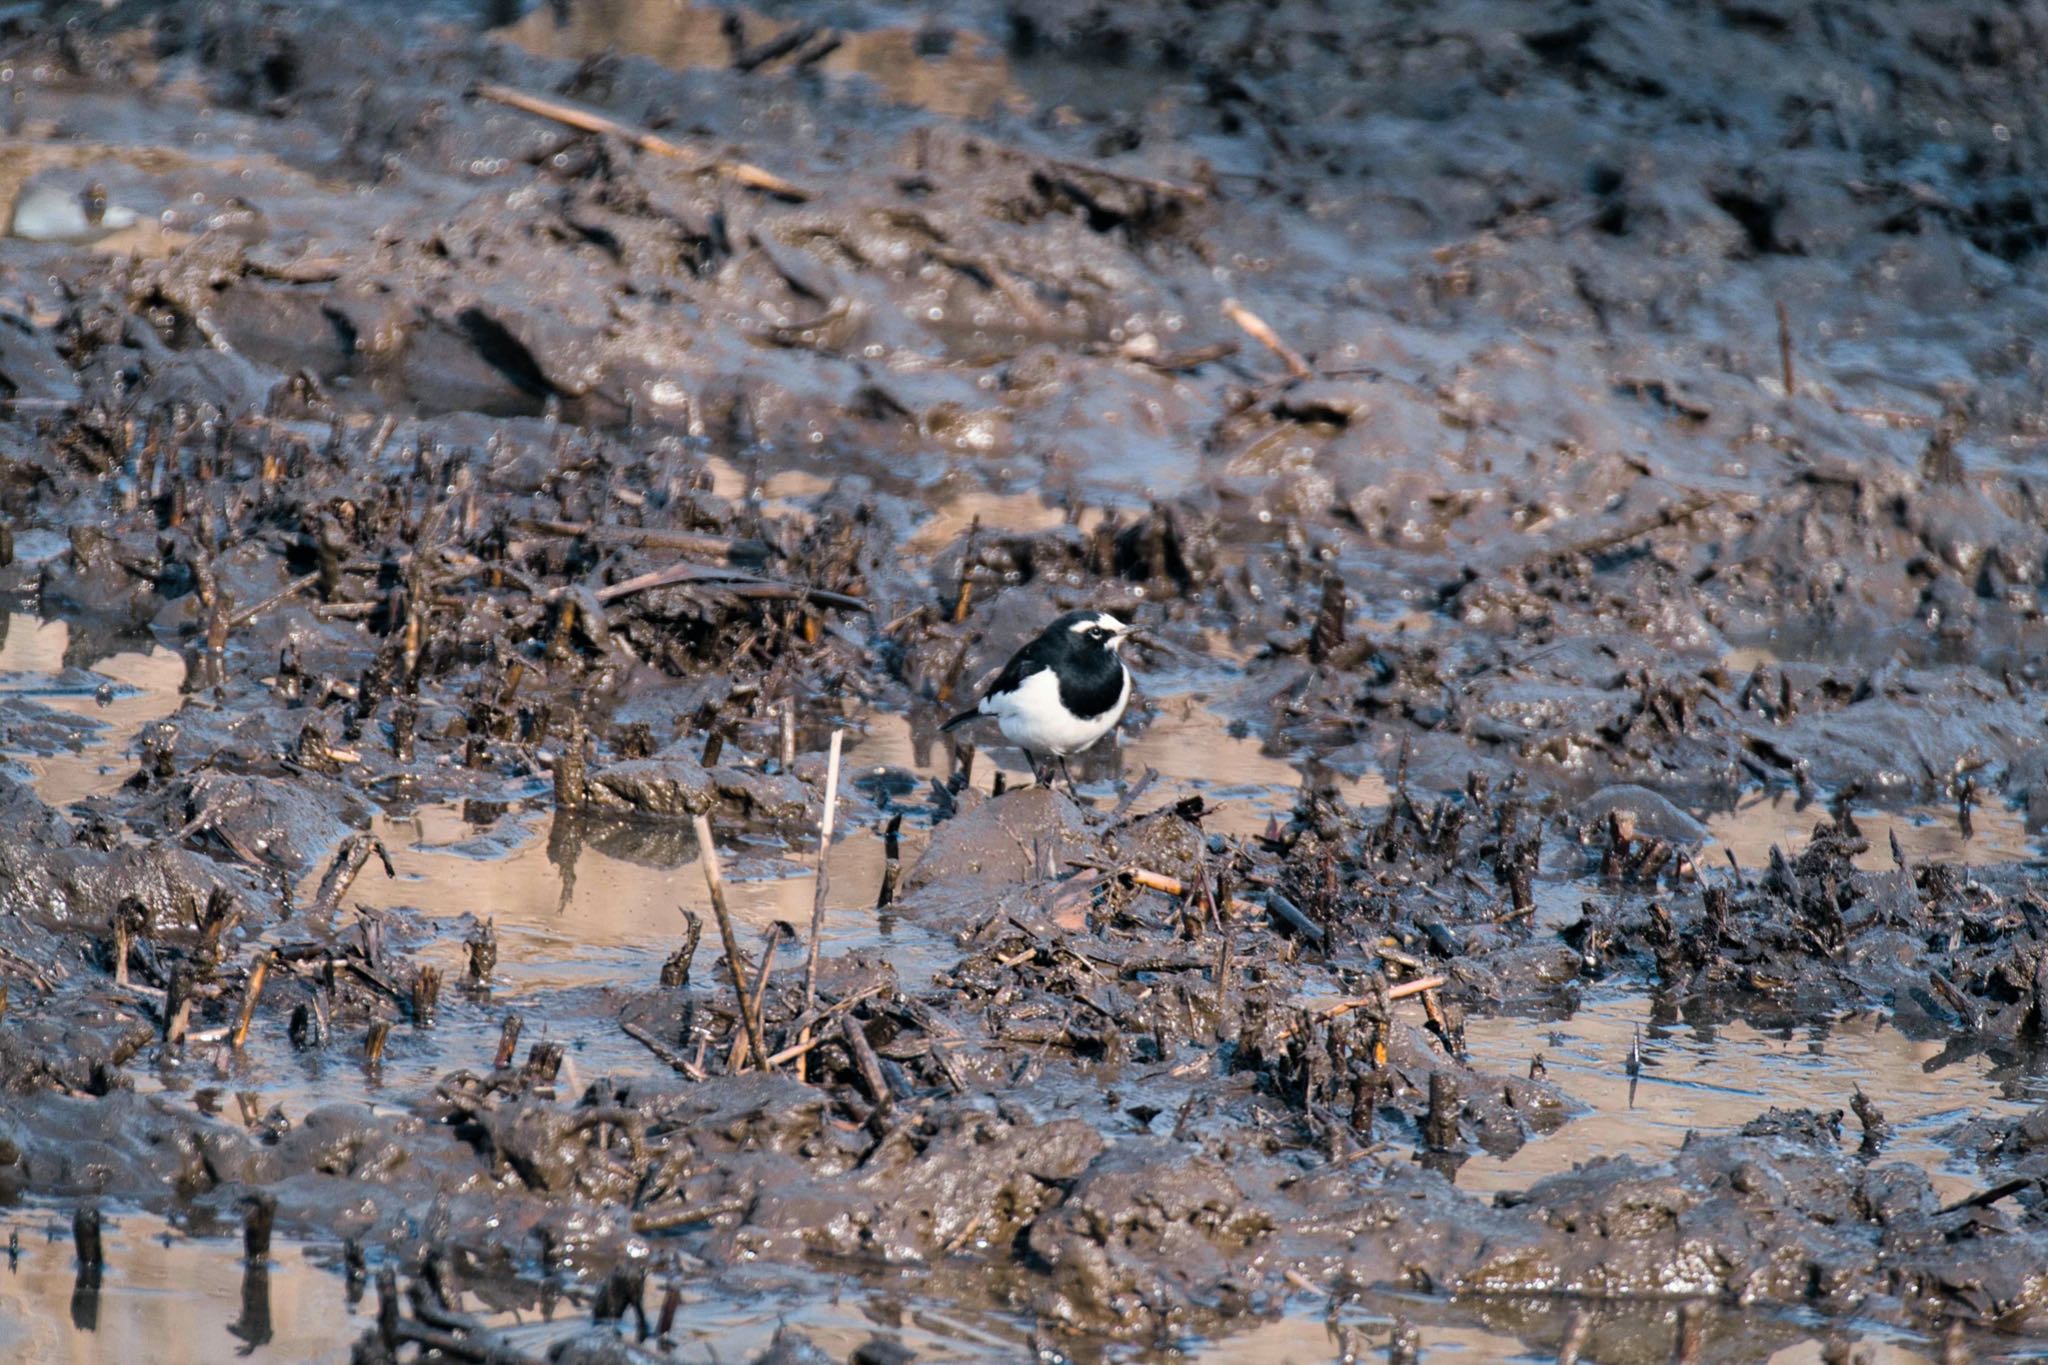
{"x": 1032, "y": 717}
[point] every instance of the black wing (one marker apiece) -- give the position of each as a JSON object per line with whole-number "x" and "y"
{"x": 1026, "y": 661}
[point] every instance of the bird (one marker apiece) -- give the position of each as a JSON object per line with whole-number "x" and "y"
{"x": 1060, "y": 693}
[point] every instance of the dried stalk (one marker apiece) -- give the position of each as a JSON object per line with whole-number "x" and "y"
{"x": 735, "y": 965}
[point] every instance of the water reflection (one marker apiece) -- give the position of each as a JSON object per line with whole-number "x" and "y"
{"x": 1712, "y": 1076}
{"x": 945, "y": 70}
{"x": 115, "y": 694}
{"x": 1924, "y": 833}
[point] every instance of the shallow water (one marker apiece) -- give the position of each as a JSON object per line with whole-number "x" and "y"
{"x": 164, "y": 1297}
{"x": 1766, "y": 820}
{"x": 117, "y": 697}
{"x": 589, "y": 905}
{"x": 1713, "y": 1078}
{"x": 170, "y": 1298}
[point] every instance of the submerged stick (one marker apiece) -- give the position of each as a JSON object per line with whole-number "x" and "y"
{"x": 590, "y": 121}
{"x": 735, "y": 965}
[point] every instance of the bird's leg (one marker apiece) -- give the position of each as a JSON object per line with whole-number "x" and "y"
{"x": 1041, "y": 768}
{"x": 1072, "y": 790}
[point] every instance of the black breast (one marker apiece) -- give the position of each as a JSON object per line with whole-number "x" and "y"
{"x": 1091, "y": 682}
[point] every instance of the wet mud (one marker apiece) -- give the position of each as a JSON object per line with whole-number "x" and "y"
{"x": 1569, "y": 884}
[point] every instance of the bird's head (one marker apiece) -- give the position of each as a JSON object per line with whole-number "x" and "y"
{"x": 1100, "y": 628}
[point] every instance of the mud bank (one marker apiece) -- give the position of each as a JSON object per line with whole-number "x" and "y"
{"x": 1582, "y": 512}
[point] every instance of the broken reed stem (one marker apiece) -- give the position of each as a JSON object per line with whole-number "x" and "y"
{"x": 122, "y": 937}
{"x": 735, "y": 965}
{"x": 1785, "y": 351}
{"x": 373, "y": 1045}
{"x": 250, "y": 994}
{"x": 259, "y": 1216}
{"x": 282, "y": 595}
{"x": 590, "y": 121}
{"x": 825, "y": 820}
{"x": 85, "y": 1235}
{"x": 1258, "y": 330}
{"x": 676, "y": 1061}
{"x": 776, "y": 933}
{"x": 508, "y": 1042}
{"x": 1173, "y": 886}
{"x": 1421, "y": 986}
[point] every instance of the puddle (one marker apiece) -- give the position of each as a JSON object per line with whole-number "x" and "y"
{"x": 164, "y": 1298}
{"x": 944, "y": 70}
{"x": 585, "y": 899}
{"x": 1190, "y": 746}
{"x": 117, "y": 696}
{"x": 173, "y": 1299}
{"x": 1925, "y": 833}
{"x": 1713, "y": 1078}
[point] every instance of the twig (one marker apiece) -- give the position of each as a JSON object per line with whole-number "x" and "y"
{"x": 1180, "y": 362}
{"x": 724, "y": 548}
{"x": 825, "y": 821}
{"x": 1173, "y": 886}
{"x": 735, "y": 965}
{"x": 726, "y": 580}
{"x": 1669, "y": 515}
{"x": 289, "y": 590}
{"x": 346, "y": 611}
{"x": 1290, "y": 914}
{"x": 865, "y": 1062}
{"x": 1419, "y": 986}
{"x": 341, "y": 873}
{"x": 781, "y": 45}
{"x": 590, "y": 121}
{"x": 1257, "y": 329}
{"x": 1171, "y": 189}
{"x": 1338, "y": 1008}
{"x": 675, "y": 1060}
{"x": 777, "y": 932}
{"x": 305, "y": 270}
{"x": 667, "y": 1220}
{"x": 810, "y": 1019}
{"x": 1131, "y": 795}
{"x": 250, "y": 994}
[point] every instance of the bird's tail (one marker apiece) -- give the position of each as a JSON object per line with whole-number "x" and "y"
{"x": 960, "y": 720}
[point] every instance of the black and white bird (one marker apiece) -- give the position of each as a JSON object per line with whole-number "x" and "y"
{"x": 1062, "y": 692}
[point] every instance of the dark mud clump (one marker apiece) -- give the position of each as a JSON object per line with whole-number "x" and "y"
{"x": 1543, "y": 455}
